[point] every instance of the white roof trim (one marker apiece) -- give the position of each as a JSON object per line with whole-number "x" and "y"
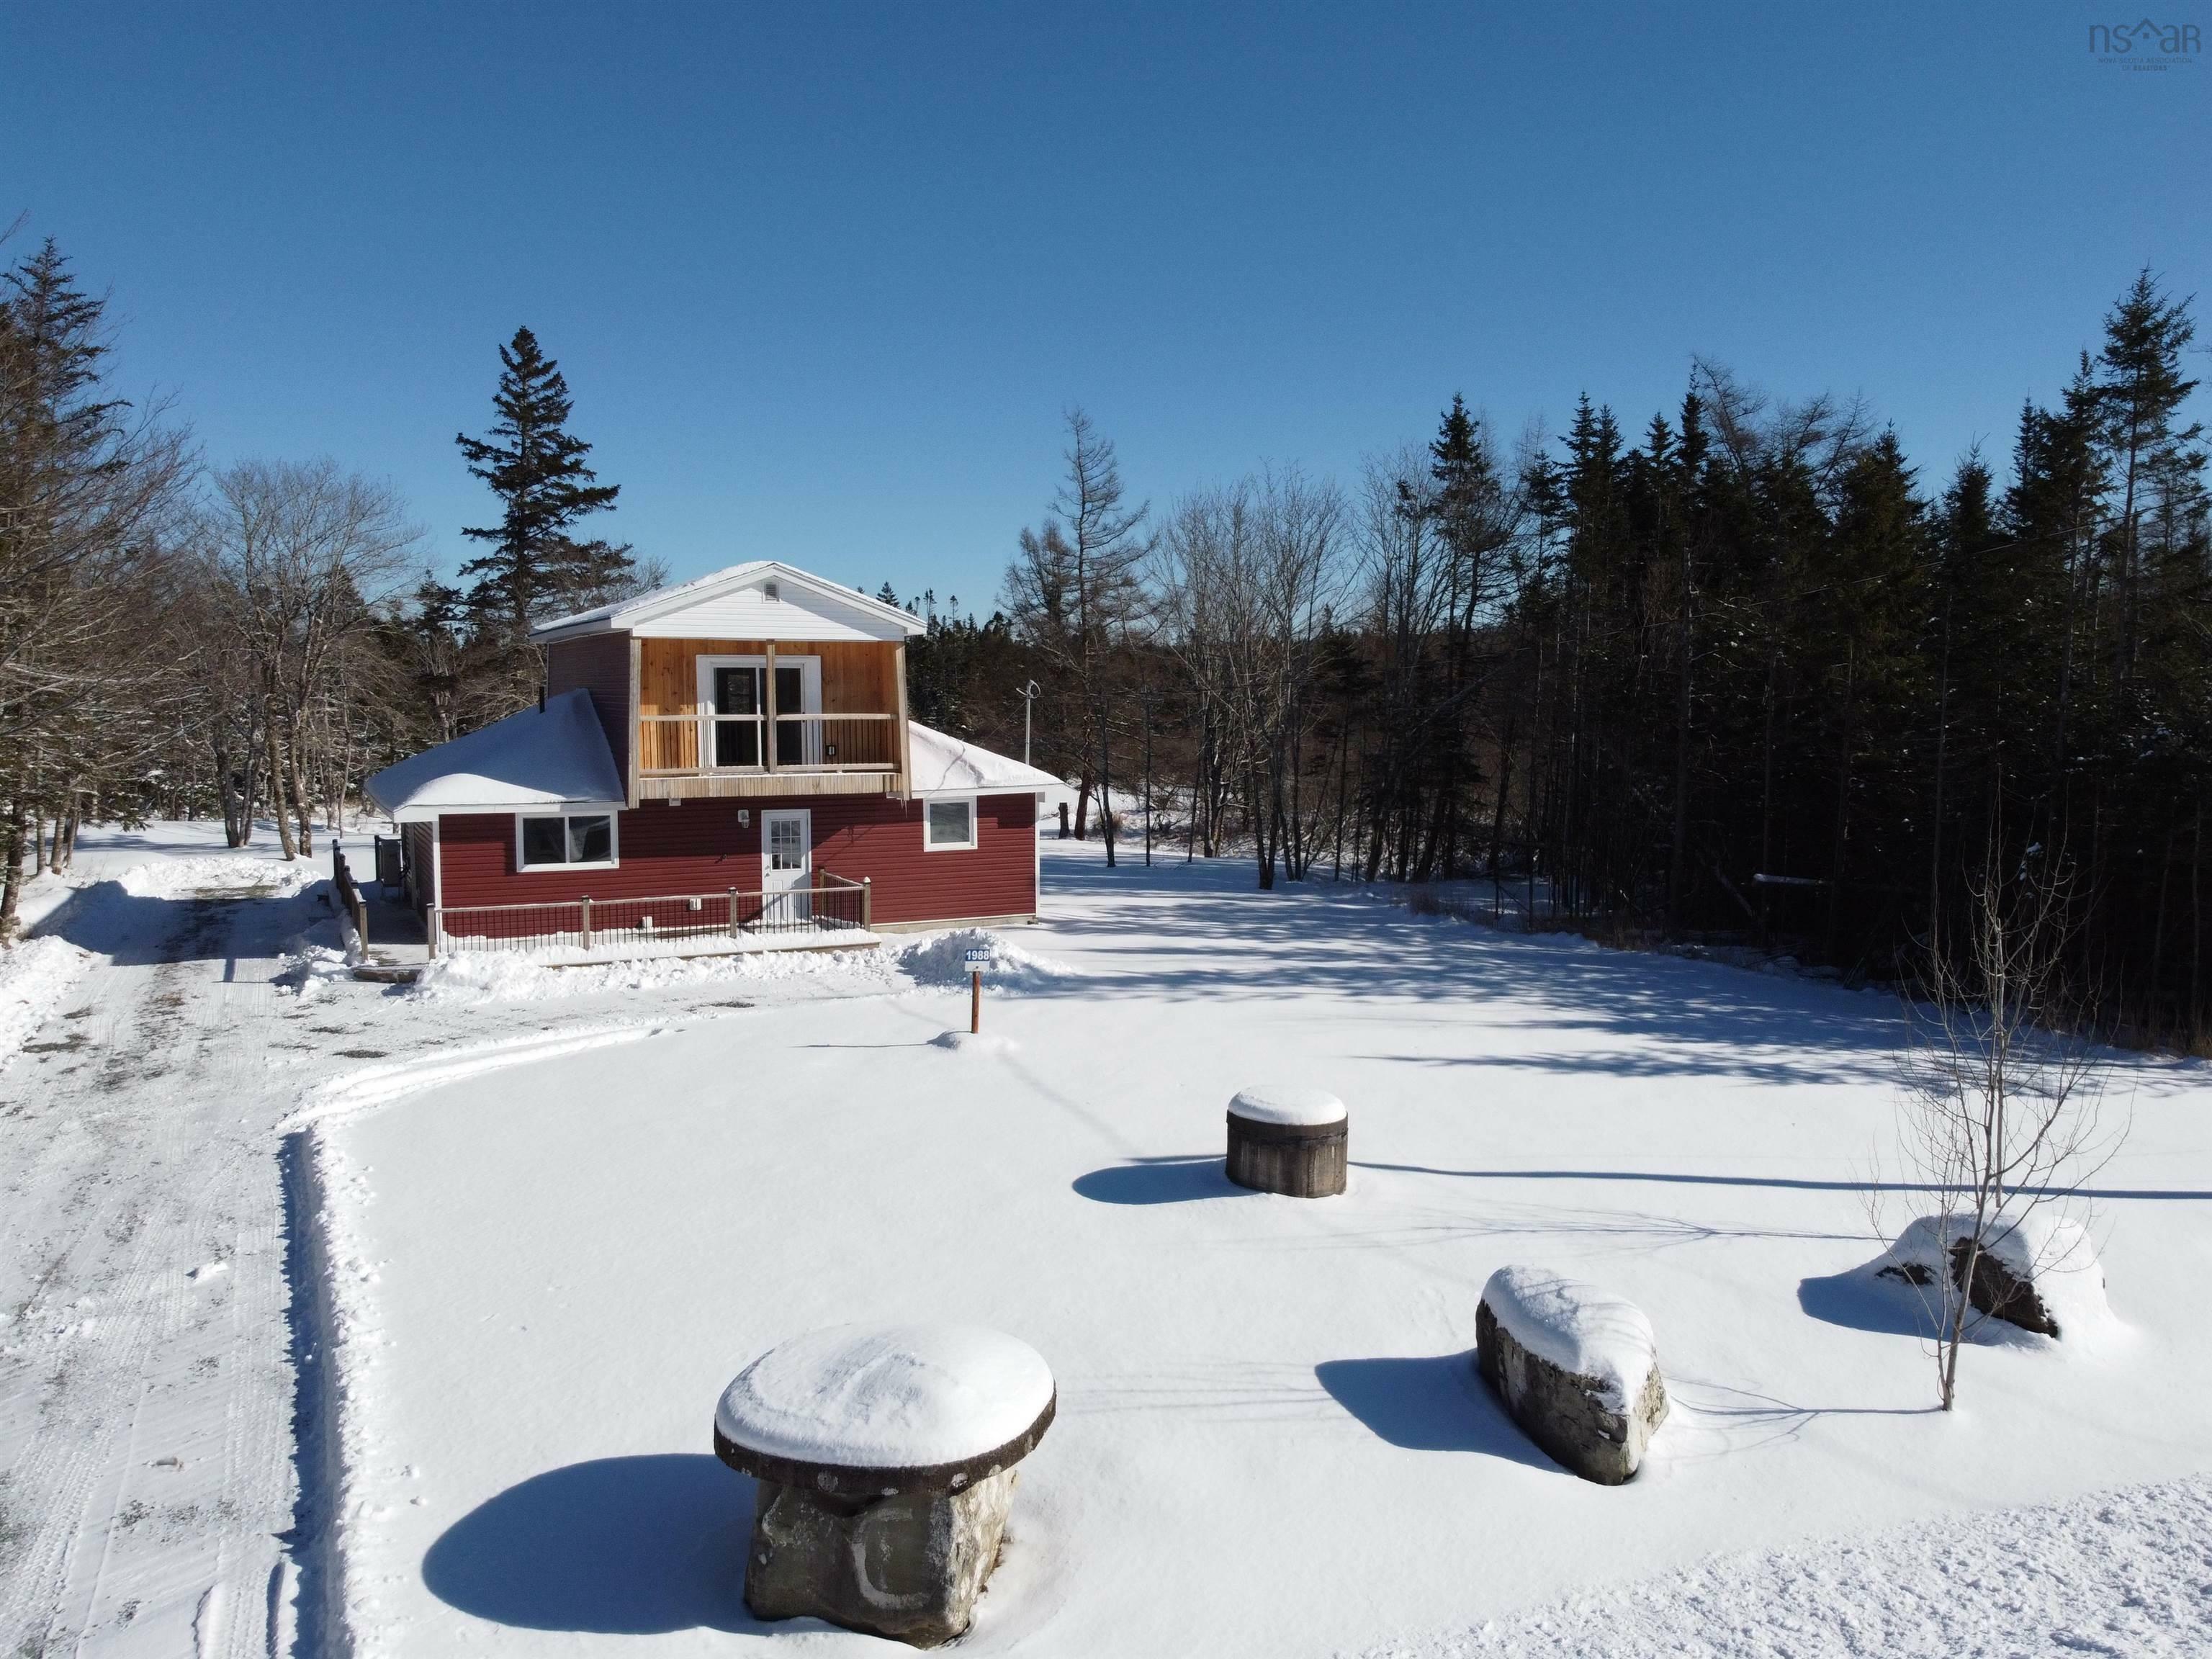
{"x": 648, "y": 607}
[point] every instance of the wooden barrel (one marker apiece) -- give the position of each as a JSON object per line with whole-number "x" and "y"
{"x": 1290, "y": 1141}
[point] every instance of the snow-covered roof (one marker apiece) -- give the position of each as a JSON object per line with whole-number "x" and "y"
{"x": 558, "y": 758}
{"x": 945, "y": 765}
{"x": 736, "y": 604}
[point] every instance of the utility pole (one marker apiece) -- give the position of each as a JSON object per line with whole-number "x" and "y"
{"x": 1028, "y": 694}
{"x": 1145, "y": 697}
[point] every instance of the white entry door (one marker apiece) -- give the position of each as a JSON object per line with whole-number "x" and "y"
{"x": 787, "y": 867}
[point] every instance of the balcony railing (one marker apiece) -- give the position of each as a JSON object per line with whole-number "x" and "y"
{"x": 677, "y": 924}
{"x": 684, "y": 745}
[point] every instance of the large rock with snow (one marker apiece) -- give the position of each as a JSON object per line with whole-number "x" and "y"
{"x": 1575, "y": 1365}
{"x": 1288, "y": 1140}
{"x": 885, "y": 1457}
{"x": 2038, "y": 1270}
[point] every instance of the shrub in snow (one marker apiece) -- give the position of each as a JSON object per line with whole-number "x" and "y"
{"x": 1575, "y": 1365}
{"x": 973, "y": 1042}
{"x": 308, "y": 970}
{"x": 885, "y": 1460}
{"x": 1288, "y": 1140}
{"x": 941, "y": 959}
{"x": 2038, "y": 1271}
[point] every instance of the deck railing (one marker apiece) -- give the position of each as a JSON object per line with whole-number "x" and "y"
{"x": 653, "y": 926}
{"x": 676, "y": 743}
{"x": 357, "y": 907}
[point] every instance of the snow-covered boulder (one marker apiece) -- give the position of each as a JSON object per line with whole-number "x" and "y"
{"x": 1287, "y": 1139}
{"x": 2038, "y": 1270}
{"x": 1575, "y": 1365}
{"x": 885, "y": 1457}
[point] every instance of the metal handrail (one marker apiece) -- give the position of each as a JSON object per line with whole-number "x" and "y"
{"x": 833, "y": 901}
{"x": 655, "y": 898}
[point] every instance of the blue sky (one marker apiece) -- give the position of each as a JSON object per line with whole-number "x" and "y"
{"x": 824, "y": 278}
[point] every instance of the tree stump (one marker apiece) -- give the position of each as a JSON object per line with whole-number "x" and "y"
{"x": 1288, "y": 1140}
{"x": 885, "y": 1457}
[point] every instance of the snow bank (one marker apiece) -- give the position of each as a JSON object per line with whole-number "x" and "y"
{"x": 308, "y": 970}
{"x": 2098, "y": 1574}
{"x": 940, "y": 959}
{"x": 35, "y": 976}
{"x": 241, "y": 872}
{"x": 1579, "y": 1326}
{"x": 479, "y": 977}
{"x": 2041, "y": 1246}
{"x": 1278, "y": 1103}
{"x": 887, "y": 1396}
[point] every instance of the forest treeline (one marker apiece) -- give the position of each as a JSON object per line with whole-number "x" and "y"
{"x": 249, "y": 642}
{"x": 1747, "y": 675}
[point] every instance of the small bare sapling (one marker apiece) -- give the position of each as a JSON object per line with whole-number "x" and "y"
{"x": 2002, "y": 1118}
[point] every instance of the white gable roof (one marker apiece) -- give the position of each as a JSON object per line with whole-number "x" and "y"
{"x": 734, "y": 604}
{"x": 945, "y": 765}
{"x": 558, "y": 758}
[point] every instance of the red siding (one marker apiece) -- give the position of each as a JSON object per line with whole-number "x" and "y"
{"x": 699, "y": 847}
{"x": 600, "y": 664}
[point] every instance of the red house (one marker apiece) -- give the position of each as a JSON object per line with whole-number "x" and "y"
{"x": 728, "y": 759}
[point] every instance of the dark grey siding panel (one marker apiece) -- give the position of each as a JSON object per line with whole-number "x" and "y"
{"x": 599, "y": 663}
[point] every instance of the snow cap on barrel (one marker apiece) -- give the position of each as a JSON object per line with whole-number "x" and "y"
{"x": 886, "y": 1407}
{"x": 1286, "y": 1104}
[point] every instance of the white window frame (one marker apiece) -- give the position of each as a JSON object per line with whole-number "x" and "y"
{"x": 974, "y": 826}
{"x": 810, "y": 696}
{"x": 613, "y": 816}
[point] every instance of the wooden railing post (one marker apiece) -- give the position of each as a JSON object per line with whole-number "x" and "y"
{"x": 586, "y": 907}
{"x": 430, "y": 917}
{"x": 867, "y": 901}
{"x": 767, "y": 701}
{"x": 733, "y": 913}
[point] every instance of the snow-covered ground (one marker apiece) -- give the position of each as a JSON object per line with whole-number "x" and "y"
{"x": 175, "y": 1010}
{"x": 540, "y": 1218}
{"x": 1269, "y": 1439}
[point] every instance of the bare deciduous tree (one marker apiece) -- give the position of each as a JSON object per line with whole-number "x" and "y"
{"x": 297, "y": 559}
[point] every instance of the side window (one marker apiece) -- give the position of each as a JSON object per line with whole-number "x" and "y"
{"x": 948, "y": 826}
{"x": 542, "y": 842}
{"x": 591, "y": 841}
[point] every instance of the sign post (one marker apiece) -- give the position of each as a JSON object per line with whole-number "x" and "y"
{"x": 977, "y": 962}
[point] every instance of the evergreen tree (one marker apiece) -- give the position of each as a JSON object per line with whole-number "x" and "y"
{"x": 533, "y": 567}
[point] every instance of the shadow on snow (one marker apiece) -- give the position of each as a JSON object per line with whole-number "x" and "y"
{"x": 1159, "y": 1180}
{"x": 629, "y": 1545}
{"x": 1428, "y": 1404}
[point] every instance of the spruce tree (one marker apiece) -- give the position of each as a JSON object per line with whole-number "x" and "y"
{"x": 532, "y": 568}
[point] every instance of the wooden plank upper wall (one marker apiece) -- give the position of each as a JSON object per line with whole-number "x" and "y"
{"x": 856, "y": 675}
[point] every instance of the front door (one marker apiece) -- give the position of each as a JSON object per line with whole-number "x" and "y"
{"x": 787, "y": 867}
